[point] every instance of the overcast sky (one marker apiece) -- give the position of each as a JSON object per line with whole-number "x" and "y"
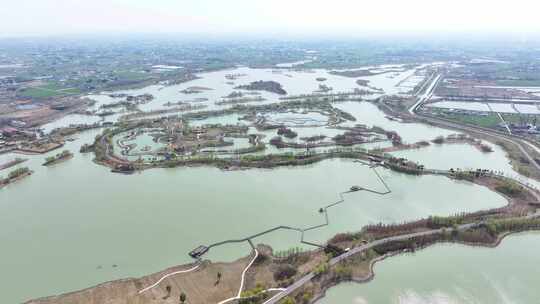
{"x": 343, "y": 17}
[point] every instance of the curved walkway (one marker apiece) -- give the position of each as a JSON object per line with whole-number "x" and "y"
{"x": 242, "y": 279}
{"x": 169, "y": 275}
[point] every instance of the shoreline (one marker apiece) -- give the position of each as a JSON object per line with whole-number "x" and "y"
{"x": 371, "y": 276}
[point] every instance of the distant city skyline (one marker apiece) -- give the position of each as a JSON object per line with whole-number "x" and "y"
{"x": 276, "y": 17}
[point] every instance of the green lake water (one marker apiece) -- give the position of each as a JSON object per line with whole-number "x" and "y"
{"x": 64, "y": 227}
{"x": 452, "y": 274}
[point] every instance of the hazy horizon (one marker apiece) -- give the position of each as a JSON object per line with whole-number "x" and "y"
{"x": 343, "y": 18}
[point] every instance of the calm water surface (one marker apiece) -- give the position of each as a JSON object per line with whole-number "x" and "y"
{"x": 452, "y": 274}
{"x": 65, "y": 227}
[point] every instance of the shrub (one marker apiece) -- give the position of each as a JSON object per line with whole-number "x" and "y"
{"x": 486, "y": 148}
{"x": 439, "y": 140}
{"x": 284, "y": 272}
{"x": 509, "y": 188}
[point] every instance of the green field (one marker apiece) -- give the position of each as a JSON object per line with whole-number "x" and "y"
{"x": 47, "y": 91}
{"x": 492, "y": 119}
{"x": 489, "y": 121}
{"x": 131, "y": 75}
{"x": 519, "y": 83}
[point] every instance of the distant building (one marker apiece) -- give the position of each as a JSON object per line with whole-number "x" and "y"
{"x": 17, "y": 123}
{"x": 8, "y": 131}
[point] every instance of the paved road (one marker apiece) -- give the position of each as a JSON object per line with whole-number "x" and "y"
{"x": 501, "y": 118}
{"x": 292, "y": 288}
{"x": 427, "y": 95}
{"x": 299, "y": 283}
{"x": 519, "y": 142}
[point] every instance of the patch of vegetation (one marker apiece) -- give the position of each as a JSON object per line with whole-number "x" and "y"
{"x": 38, "y": 92}
{"x": 486, "y": 148}
{"x": 439, "y": 140}
{"x": 284, "y": 272}
{"x": 46, "y": 91}
{"x": 253, "y": 296}
{"x": 269, "y": 86}
{"x": 18, "y": 172}
{"x": 509, "y": 188}
{"x": 436, "y": 222}
{"x": 322, "y": 268}
{"x": 131, "y": 75}
{"x": 519, "y": 83}
{"x": 496, "y": 227}
{"x": 487, "y": 121}
{"x": 14, "y": 175}
{"x": 343, "y": 272}
{"x": 288, "y": 300}
{"x": 462, "y": 175}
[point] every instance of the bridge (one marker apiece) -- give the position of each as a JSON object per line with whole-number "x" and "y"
{"x": 198, "y": 252}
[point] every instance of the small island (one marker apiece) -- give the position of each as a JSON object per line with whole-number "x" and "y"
{"x": 287, "y": 132}
{"x": 195, "y": 90}
{"x": 58, "y": 158}
{"x": 14, "y": 176}
{"x": 269, "y": 86}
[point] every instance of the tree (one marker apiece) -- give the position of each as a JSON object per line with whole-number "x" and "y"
{"x": 182, "y": 297}
{"x": 168, "y": 289}
{"x": 289, "y": 300}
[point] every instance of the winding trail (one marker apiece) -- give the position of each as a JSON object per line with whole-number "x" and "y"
{"x": 242, "y": 279}
{"x": 169, "y": 275}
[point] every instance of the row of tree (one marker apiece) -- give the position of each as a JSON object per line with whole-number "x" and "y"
{"x": 14, "y": 174}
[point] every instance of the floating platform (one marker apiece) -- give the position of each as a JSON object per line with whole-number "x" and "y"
{"x": 356, "y": 188}
{"x": 198, "y": 252}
